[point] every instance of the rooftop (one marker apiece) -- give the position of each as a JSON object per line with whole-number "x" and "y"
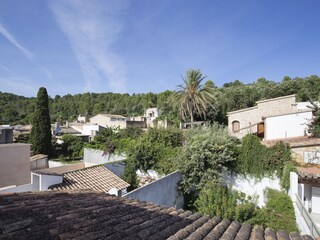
{"x": 112, "y": 115}
{"x": 93, "y": 215}
{"x": 309, "y": 174}
{"x": 295, "y": 142}
{"x": 96, "y": 178}
{"x": 61, "y": 169}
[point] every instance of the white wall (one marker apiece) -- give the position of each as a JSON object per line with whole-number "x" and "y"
{"x": 98, "y": 157}
{"x": 163, "y": 192}
{"x": 87, "y": 129}
{"x": 286, "y": 126}
{"x": 47, "y": 180}
{"x": 39, "y": 182}
{"x": 252, "y": 186}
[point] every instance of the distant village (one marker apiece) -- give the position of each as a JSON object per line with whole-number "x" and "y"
{"x": 272, "y": 120}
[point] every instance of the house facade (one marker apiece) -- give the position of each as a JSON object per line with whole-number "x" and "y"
{"x": 109, "y": 120}
{"x": 276, "y": 118}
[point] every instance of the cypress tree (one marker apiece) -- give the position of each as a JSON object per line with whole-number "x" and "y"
{"x": 40, "y": 135}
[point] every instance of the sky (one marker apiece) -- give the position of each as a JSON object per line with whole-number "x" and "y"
{"x": 140, "y": 46}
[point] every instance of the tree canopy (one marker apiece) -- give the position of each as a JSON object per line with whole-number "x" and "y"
{"x": 40, "y": 136}
{"x": 192, "y": 97}
{"x": 231, "y": 96}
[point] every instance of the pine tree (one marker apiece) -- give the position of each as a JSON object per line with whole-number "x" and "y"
{"x": 40, "y": 135}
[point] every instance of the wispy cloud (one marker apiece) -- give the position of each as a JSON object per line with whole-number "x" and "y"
{"x": 28, "y": 54}
{"x": 4, "y": 32}
{"x": 91, "y": 28}
{"x": 7, "y": 70}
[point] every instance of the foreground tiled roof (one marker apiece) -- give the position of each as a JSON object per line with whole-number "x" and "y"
{"x": 96, "y": 215}
{"x": 96, "y": 178}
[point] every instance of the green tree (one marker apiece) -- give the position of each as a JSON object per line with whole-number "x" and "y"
{"x": 192, "y": 97}
{"x": 129, "y": 175}
{"x": 72, "y": 146}
{"x": 40, "y": 136}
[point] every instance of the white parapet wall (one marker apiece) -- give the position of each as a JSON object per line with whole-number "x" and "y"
{"x": 94, "y": 156}
{"x": 252, "y": 186}
{"x": 163, "y": 191}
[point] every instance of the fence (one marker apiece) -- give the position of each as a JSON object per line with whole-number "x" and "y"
{"x": 315, "y": 232}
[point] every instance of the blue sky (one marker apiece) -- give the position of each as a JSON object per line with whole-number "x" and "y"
{"x": 76, "y": 46}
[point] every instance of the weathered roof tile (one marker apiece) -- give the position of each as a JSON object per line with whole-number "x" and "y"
{"x": 97, "y": 178}
{"x": 94, "y": 215}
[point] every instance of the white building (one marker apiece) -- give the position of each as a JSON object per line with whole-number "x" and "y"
{"x": 109, "y": 120}
{"x": 152, "y": 113}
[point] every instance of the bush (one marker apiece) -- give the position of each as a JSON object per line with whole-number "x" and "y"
{"x": 278, "y": 212}
{"x": 206, "y": 154}
{"x": 130, "y": 132}
{"x": 257, "y": 160}
{"x": 168, "y": 137}
{"x": 221, "y": 201}
{"x": 276, "y": 156}
{"x": 155, "y": 150}
{"x": 252, "y": 154}
{"x": 129, "y": 175}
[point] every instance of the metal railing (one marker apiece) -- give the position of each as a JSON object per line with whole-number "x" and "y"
{"x": 315, "y": 232}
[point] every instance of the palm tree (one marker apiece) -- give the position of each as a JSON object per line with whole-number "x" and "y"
{"x": 192, "y": 97}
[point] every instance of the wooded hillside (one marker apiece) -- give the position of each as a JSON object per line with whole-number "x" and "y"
{"x": 231, "y": 96}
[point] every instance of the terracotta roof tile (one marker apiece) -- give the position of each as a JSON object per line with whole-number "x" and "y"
{"x": 96, "y": 178}
{"x": 84, "y": 214}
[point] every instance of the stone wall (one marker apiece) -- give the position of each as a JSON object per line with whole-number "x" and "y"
{"x": 265, "y": 108}
{"x": 306, "y": 152}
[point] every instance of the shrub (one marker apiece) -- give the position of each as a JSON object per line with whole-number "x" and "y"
{"x": 252, "y": 154}
{"x": 206, "y": 154}
{"x": 278, "y": 212}
{"x": 257, "y": 160}
{"x": 129, "y": 175}
{"x": 276, "y": 156}
{"x": 221, "y": 201}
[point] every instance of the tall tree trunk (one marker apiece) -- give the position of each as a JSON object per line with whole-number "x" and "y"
{"x": 191, "y": 118}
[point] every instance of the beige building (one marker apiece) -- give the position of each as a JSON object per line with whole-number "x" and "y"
{"x": 274, "y": 118}
{"x": 109, "y": 120}
{"x": 14, "y": 164}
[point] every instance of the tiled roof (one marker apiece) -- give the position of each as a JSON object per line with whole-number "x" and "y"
{"x": 61, "y": 169}
{"x": 295, "y": 142}
{"x": 95, "y": 215}
{"x": 96, "y": 178}
{"x": 112, "y": 115}
{"x": 309, "y": 173}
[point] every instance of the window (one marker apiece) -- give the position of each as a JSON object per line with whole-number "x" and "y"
{"x": 235, "y": 126}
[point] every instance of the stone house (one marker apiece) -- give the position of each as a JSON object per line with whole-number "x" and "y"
{"x": 276, "y": 118}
